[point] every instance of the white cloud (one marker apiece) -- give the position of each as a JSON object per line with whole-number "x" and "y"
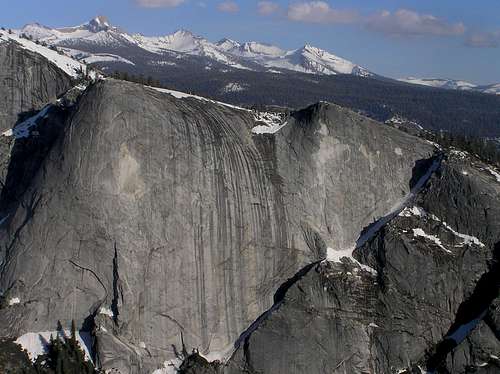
{"x": 320, "y": 12}
{"x": 159, "y": 3}
{"x": 406, "y": 22}
{"x": 483, "y": 39}
{"x": 267, "y": 8}
{"x": 228, "y": 7}
{"x": 402, "y": 22}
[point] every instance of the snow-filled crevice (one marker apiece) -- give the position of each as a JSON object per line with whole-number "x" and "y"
{"x": 469, "y": 314}
{"x": 417, "y": 185}
{"x": 23, "y": 129}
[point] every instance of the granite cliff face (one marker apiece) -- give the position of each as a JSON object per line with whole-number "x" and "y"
{"x": 436, "y": 279}
{"x": 28, "y": 82}
{"x": 162, "y": 224}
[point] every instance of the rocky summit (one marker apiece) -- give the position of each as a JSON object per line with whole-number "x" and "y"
{"x": 181, "y": 234}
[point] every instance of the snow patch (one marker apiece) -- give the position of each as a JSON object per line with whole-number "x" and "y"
{"x": 22, "y": 130}
{"x": 467, "y": 239}
{"x": 334, "y": 255}
{"x": 183, "y": 95}
{"x": 36, "y": 343}
{"x": 105, "y": 57}
{"x": 419, "y": 212}
{"x": 421, "y": 233}
{"x": 399, "y": 120}
{"x": 169, "y": 367}
{"x": 460, "y": 154}
{"x": 221, "y": 356}
{"x": 273, "y": 122}
{"x": 233, "y": 87}
{"x": 107, "y": 312}
{"x": 413, "y": 211}
{"x": 14, "y": 301}
{"x": 495, "y": 174}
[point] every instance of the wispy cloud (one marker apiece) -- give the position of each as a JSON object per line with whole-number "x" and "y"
{"x": 404, "y": 22}
{"x": 267, "y": 8}
{"x": 228, "y": 7}
{"x": 319, "y": 12}
{"x": 159, "y": 3}
{"x": 483, "y": 39}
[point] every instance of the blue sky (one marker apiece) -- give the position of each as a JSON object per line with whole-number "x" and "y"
{"x": 426, "y": 38}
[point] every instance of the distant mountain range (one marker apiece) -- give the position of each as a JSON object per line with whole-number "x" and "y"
{"x": 99, "y": 42}
{"x": 453, "y": 84}
{"x": 94, "y": 40}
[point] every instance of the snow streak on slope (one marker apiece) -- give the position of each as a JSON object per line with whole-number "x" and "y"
{"x": 421, "y": 213}
{"x": 22, "y": 130}
{"x": 183, "y": 95}
{"x": 495, "y": 174}
{"x": 421, "y": 233}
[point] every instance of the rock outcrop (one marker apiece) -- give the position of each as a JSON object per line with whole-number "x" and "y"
{"x": 436, "y": 278}
{"x": 167, "y": 217}
{"x": 28, "y": 82}
{"x": 184, "y": 241}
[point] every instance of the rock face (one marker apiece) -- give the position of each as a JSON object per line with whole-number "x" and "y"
{"x": 164, "y": 225}
{"x": 437, "y": 272}
{"x": 28, "y": 82}
{"x": 157, "y": 219}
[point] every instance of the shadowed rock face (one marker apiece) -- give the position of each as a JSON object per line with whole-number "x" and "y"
{"x": 28, "y": 82}
{"x": 176, "y": 219}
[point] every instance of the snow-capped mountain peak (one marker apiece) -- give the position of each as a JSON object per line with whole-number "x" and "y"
{"x": 261, "y": 49}
{"x": 99, "y": 23}
{"x": 314, "y": 60}
{"x": 89, "y": 40}
{"x": 228, "y": 44}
